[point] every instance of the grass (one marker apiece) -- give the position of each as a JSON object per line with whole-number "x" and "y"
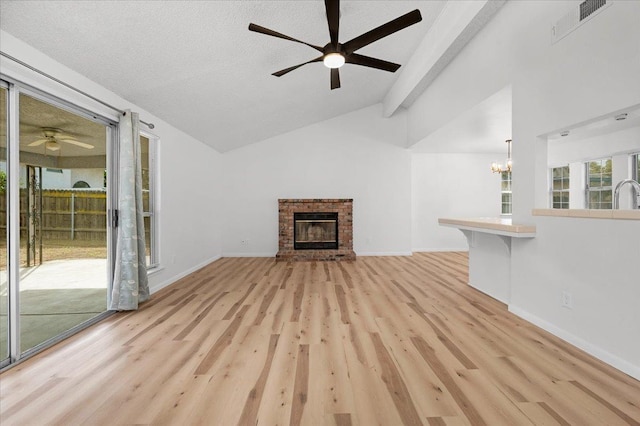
{"x": 60, "y": 250}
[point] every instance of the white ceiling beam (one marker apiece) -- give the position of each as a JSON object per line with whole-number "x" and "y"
{"x": 456, "y": 25}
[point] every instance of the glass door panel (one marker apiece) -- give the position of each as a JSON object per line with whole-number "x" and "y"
{"x": 4, "y": 287}
{"x": 146, "y": 196}
{"x": 63, "y": 221}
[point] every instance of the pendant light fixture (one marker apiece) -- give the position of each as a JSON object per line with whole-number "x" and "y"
{"x": 500, "y": 168}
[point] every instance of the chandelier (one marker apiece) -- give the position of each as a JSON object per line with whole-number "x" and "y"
{"x": 500, "y": 168}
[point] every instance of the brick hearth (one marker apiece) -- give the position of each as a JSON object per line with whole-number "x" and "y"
{"x": 342, "y": 206}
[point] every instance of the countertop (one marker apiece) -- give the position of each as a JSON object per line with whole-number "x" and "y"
{"x": 589, "y": 214}
{"x": 491, "y": 225}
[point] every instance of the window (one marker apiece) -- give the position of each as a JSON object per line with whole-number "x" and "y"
{"x": 81, "y": 184}
{"x": 148, "y": 150}
{"x": 599, "y": 193}
{"x": 506, "y": 192}
{"x": 560, "y": 187}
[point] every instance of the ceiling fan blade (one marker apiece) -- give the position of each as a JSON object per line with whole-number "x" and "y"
{"x": 335, "y": 78}
{"x": 286, "y": 70}
{"x": 384, "y": 30}
{"x": 77, "y": 143}
{"x": 267, "y": 31}
{"x": 368, "y": 61}
{"x": 333, "y": 18}
{"x": 38, "y": 142}
{"x": 64, "y": 136}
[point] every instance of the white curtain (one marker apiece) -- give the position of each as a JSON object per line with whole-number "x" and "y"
{"x": 130, "y": 283}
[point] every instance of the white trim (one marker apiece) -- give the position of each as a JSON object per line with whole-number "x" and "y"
{"x": 153, "y": 288}
{"x": 493, "y": 296}
{"x": 155, "y": 270}
{"x": 273, "y": 254}
{"x": 244, "y": 254}
{"x": 596, "y": 351}
{"x": 439, "y": 249}
{"x": 13, "y": 221}
{"x": 385, "y": 253}
{"x": 154, "y": 196}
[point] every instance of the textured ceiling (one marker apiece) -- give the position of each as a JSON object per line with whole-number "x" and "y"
{"x": 195, "y": 64}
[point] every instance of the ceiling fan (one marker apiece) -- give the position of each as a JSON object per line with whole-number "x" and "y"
{"x": 53, "y": 137}
{"x": 336, "y": 54}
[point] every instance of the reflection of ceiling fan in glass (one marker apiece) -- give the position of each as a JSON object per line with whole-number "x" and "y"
{"x": 53, "y": 137}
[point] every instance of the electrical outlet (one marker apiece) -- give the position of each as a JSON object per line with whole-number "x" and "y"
{"x": 244, "y": 242}
{"x": 567, "y": 300}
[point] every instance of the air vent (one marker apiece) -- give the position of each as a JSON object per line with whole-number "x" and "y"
{"x": 588, "y": 7}
{"x": 577, "y": 16}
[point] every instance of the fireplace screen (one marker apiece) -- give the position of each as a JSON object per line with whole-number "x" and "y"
{"x": 315, "y": 231}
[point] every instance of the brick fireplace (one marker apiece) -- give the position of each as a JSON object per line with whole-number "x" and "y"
{"x": 315, "y": 229}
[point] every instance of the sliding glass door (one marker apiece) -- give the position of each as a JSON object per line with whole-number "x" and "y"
{"x": 63, "y": 210}
{"x": 4, "y": 279}
{"x": 54, "y": 254}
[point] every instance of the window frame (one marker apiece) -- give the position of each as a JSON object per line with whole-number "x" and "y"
{"x": 589, "y": 190}
{"x": 564, "y": 190}
{"x": 506, "y": 192}
{"x": 152, "y": 213}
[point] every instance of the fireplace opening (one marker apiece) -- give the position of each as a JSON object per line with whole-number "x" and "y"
{"x": 315, "y": 231}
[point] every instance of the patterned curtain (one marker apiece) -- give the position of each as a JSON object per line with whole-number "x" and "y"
{"x": 130, "y": 283}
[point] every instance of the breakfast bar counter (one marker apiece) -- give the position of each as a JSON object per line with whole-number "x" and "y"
{"x": 490, "y": 240}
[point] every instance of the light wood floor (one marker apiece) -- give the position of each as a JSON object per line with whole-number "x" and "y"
{"x": 390, "y": 341}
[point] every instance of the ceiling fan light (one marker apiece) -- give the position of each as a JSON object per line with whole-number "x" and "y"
{"x": 333, "y": 60}
{"x": 52, "y": 145}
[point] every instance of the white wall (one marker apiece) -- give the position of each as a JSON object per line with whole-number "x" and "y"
{"x": 596, "y": 261}
{"x": 590, "y": 73}
{"x": 398, "y": 195}
{"x": 358, "y": 155}
{"x": 450, "y": 185}
{"x": 581, "y": 149}
{"x": 190, "y": 171}
{"x": 94, "y": 177}
{"x": 50, "y": 179}
{"x": 190, "y": 199}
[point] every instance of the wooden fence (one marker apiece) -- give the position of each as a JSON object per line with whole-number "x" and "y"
{"x": 70, "y": 214}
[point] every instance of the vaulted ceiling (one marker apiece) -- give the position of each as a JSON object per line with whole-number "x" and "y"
{"x": 195, "y": 65}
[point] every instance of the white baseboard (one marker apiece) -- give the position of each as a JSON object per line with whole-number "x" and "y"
{"x": 432, "y": 249}
{"x": 243, "y": 254}
{"x": 159, "y": 286}
{"x": 385, "y": 253}
{"x": 603, "y": 355}
{"x": 375, "y": 253}
{"x": 493, "y": 296}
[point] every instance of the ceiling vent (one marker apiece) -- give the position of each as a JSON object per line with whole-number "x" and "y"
{"x": 577, "y": 16}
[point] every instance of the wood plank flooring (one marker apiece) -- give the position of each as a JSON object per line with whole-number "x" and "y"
{"x": 382, "y": 340}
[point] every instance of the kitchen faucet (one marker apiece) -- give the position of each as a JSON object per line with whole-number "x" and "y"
{"x": 616, "y": 193}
